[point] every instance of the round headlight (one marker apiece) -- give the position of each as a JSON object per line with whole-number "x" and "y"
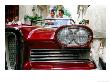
{"x": 65, "y": 36}
{"x": 81, "y": 37}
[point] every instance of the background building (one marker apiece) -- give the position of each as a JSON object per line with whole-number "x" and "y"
{"x": 23, "y": 10}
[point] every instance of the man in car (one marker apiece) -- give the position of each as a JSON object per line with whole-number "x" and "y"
{"x": 60, "y": 13}
{"x": 64, "y": 20}
{"x": 52, "y": 14}
{"x": 49, "y": 18}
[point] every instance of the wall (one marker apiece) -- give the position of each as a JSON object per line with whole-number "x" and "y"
{"x": 39, "y": 10}
{"x": 97, "y": 20}
{"x": 25, "y": 10}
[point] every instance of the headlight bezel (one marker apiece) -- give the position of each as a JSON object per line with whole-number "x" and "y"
{"x": 65, "y": 35}
{"x": 83, "y": 34}
{"x": 76, "y": 28}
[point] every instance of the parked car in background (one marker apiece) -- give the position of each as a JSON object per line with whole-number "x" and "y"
{"x": 58, "y": 44}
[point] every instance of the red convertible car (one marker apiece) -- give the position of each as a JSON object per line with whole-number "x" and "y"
{"x": 58, "y": 44}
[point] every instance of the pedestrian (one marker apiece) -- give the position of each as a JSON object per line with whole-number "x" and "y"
{"x": 7, "y": 22}
{"x": 16, "y": 21}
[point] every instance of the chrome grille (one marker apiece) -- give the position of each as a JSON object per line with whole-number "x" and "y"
{"x": 37, "y": 55}
{"x": 11, "y": 48}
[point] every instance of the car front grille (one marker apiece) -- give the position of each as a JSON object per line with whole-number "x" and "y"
{"x": 11, "y": 48}
{"x": 43, "y": 55}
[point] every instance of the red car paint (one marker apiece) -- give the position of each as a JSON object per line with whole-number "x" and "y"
{"x": 73, "y": 65}
{"x": 44, "y": 38}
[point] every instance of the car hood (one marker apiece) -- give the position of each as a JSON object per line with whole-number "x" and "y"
{"x": 38, "y": 33}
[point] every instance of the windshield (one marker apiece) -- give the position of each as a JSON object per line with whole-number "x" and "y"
{"x": 57, "y": 22}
